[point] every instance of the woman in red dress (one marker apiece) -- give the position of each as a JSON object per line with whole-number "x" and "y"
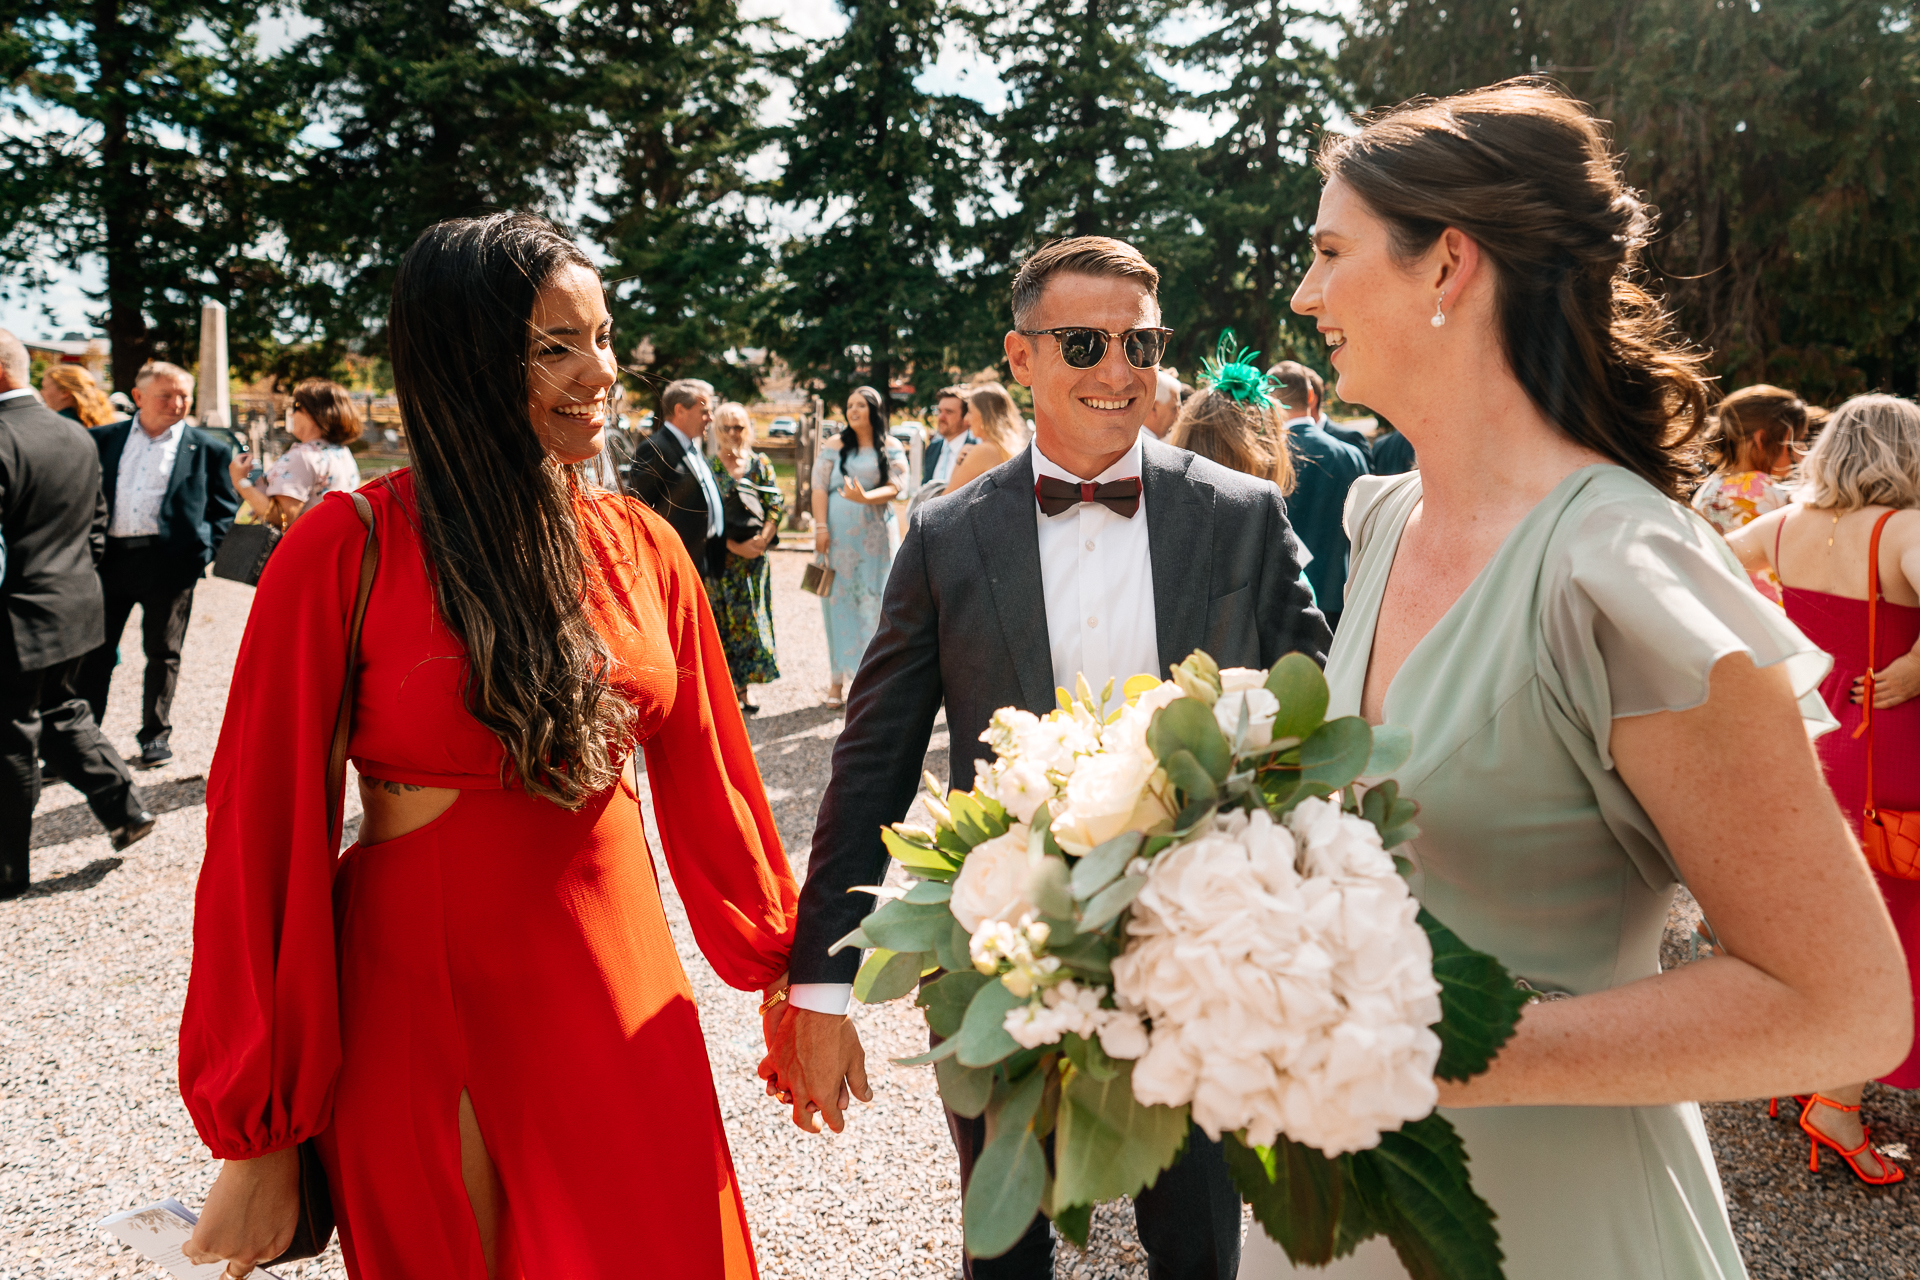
{"x": 1863, "y": 473}
{"x": 478, "y": 1009}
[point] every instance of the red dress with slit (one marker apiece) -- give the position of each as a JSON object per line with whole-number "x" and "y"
{"x": 509, "y": 948}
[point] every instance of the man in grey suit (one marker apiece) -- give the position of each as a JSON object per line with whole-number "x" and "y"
{"x": 1097, "y": 550}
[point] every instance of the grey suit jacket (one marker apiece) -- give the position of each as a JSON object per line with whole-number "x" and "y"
{"x": 964, "y": 621}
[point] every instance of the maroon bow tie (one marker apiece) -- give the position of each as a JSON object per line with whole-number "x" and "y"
{"x": 1121, "y": 496}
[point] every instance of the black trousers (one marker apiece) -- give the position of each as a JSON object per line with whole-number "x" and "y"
{"x": 155, "y": 579}
{"x": 1189, "y": 1220}
{"x": 41, "y": 714}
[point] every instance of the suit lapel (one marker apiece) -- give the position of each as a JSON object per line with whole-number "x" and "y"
{"x": 185, "y": 454}
{"x": 1009, "y": 545}
{"x": 114, "y": 448}
{"x": 1180, "y": 542}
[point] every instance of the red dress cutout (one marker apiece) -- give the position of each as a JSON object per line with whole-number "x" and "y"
{"x": 509, "y": 948}
{"x": 1838, "y": 624}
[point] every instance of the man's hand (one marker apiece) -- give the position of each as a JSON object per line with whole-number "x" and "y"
{"x": 815, "y": 1061}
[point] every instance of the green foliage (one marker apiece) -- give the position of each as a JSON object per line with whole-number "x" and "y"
{"x": 908, "y": 926}
{"x": 923, "y": 860}
{"x": 946, "y": 1000}
{"x": 888, "y": 975}
{"x": 1004, "y": 1193}
{"x": 1337, "y": 752}
{"x": 983, "y": 1035}
{"x": 1187, "y": 724}
{"x": 1298, "y": 684}
{"x": 1111, "y": 901}
{"x": 1296, "y": 1194}
{"x": 1108, "y": 1144}
{"x": 1095, "y": 871}
{"x": 1479, "y": 1003}
{"x": 964, "y": 1089}
{"x": 1391, "y": 816}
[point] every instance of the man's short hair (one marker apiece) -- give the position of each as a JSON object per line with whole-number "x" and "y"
{"x": 161, "y": 369}
{"x": 954, "y": 392}
{"x": 1293, "y": 381}
{"x": 686, "y": 391}
{"x": 1101, "y": 256}
{"x": 14, "y": 360}
{"x": 1317, "y": 385}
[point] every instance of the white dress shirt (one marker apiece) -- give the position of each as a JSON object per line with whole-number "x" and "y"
{"x": 15, "y": 394}
{"x": 1096, "y": 574}
{"x": 949, "y": 455}
{"x": 146, "y": 465}
{"x": 716, "y": 513}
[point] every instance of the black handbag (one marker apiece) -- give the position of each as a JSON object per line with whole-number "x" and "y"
{"x": 314, "y": 1229}
{"x": 744, "y": 511}
{"x": 243, "y": 553}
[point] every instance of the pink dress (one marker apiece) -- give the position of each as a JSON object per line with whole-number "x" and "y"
{"x": 1838, "y": 624}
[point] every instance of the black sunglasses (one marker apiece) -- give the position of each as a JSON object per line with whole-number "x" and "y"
{"x": 1085, "y": 348}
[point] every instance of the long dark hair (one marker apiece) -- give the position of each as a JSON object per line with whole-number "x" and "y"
{"x": 1526, "y": 172}
{"x": 877, "y": 420}
{"x": 496, "y": 514}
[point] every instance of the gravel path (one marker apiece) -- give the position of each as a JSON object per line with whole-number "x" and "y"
{"x": 96, "y": 959}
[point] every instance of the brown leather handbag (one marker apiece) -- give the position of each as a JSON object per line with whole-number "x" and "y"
{"x": 314, "y": 1230}
{"x": 1891, "y": 837}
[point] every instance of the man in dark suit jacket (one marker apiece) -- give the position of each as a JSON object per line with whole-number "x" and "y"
{"x": 170, "y": 502}
{"x": 670, "y": 474}
{"x": 993, "y": 602}
{"x": 53, "y": 524}
{"x": 1324, "y": 469}
{"x": 1317, "y": 393}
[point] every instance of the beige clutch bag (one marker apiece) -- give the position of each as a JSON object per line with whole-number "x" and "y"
{"x": 818, "y": 578}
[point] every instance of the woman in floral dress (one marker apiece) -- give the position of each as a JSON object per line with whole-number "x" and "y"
{"x": 855, "y": 480}
{"x": 1756, "y": 433}
{"x": 742, "y": 596}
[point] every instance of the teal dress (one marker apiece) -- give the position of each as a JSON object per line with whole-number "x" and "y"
{"x": 864, "y": 538}
{"x": 1606, "y": 601}
{"x": 742, "y": 596}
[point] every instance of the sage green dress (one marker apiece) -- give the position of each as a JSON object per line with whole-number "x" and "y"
{"x": 1606, "y": 601}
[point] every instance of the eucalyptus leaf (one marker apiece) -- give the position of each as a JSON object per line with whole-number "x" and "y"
{"x": 1085, "y": 1053}
{"x": 1108, "y": 1144}
{"x": 972, "y": 819}
{"x": 1015, "y": 1104}
{"x": 908, "y": 926}
{"x": 1048, "y": 888}
{"x": 1187, "y": 723}
{"x": 928, "y": 892}
{"x": 1074, "y": 1222}
{"x": 888, "y": 975}
{"x": 1004, "y": 1193}
{"x": 1185, "y": 772}
{"x": 1392, "y": 747}
{"x": 1085, "y": 955}
{"x": 983, "y": 1035}
{"x": 1479, "y": 1003}
{"x": 946, "y": 999}
{"x": 1393, "y": 815}
{"x": 858, "y": 938}
{"x": 964, "y": 1089}
{"x": 1417, "y": 1189}
{"x": 1336, "y": 753}
{"x": 939, "y": 1053}
{"x": 1097, "y": 870}
{"x": 914, "y": 855}
{"x": 1297, "y": 683}
{"x": 1295, "y": 1193}
{"x": 1111, "y": 901}
{"x": 951, "y": 951}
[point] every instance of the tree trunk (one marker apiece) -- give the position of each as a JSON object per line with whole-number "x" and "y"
{"x": 121, "y": 206}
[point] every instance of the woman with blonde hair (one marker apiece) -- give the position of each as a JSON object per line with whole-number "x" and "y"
{"x": 1859, "y": 502}
{"x": 1752, "y": 442}
{"x": 995, "y": 418}
{"x": 742, "y": 593}
{"x": 71, "y": 392}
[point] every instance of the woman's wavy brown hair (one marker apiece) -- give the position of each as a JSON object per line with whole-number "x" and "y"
{"x": 1749, "y": 427}
{"x": 1529, "y": 175}
{"x": 1246, "y": 437}
{"x": 496, "y": 514}
{"x": 331, "y": 408}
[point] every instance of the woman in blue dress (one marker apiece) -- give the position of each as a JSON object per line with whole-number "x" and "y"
{"x": 855, "y": 479}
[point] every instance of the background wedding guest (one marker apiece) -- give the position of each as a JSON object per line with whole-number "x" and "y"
{"x": 1392, "y": 452}
{"x": 996, "y": 421}
{"x": 855, "y": 478}
{"x": 670, "y": 474}
{"x": 170, "y": 502}
{"x": 71, "y": 392}
{"x": 1862, "y": 474}
{"x": 951, "y": 436}
{"x": 1166, "y": 404}
{"x": 1317, "y": 390}
{"x": 742, "y": 593}
{"x": 1243, "y": 435}
{"x": 1324, "y": 469}
{"x": 53, "y": 520}
{"x": 325, "y": 422}
{"x": 1752, "y": 442}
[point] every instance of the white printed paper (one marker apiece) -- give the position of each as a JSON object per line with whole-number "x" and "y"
{"x": 160, "y": 1231}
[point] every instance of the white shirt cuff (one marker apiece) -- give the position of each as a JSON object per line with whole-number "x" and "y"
{"x": 821, "y": 997}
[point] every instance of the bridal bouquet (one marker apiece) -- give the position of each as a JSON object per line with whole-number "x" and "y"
{"x": 1180, "y": 904}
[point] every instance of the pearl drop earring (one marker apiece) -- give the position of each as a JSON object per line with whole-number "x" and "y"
{"x": 1439, "y": 316}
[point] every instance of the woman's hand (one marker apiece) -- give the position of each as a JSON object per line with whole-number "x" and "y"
{"x": 240, "y": 468}
{"x": 852, "y": 490}
{"x": 1893, "y": 684}
{"x": 822, "y": 540}
{"x": 250, "y": 1214}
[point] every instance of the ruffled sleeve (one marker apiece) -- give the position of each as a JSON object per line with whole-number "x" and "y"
{"x": 1645, "y": 600}
{"x": 823, "y": 464}
{"x": 716, "y": 828}
{"x": 260, "y": 1033}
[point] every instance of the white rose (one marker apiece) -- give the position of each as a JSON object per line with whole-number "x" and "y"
{"x": 992, "y": 884}
{"x": 1107, "y": 794}
{"x": 1262, "y": 707}
{"x": 1021, "y": 787}
{"x": 1240, "y": 679}
{"x": 1166, "y": 693}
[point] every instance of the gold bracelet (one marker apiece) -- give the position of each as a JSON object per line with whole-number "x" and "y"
{"x": 772, "y": 1000}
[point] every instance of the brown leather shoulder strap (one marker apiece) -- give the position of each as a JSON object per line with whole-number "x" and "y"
{"x": 343, "y": 719}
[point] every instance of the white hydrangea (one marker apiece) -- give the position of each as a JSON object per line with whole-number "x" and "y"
{"x": 1288, "y": 984}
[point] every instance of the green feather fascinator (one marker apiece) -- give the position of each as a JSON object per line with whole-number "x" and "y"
{"x": 1231, "y": 371}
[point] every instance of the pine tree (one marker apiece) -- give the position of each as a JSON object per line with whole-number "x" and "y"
{"x": 888, "y": 170}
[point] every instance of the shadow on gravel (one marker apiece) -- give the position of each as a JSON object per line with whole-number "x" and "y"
{"x": 76, "y": 820}
{"x": 765, "y": 728}
{"x": 74, "y": 881}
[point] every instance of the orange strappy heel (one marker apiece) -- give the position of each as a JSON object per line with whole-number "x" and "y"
{"x": 1773, "y": 1104}
{"x": 1891, "y": 1172}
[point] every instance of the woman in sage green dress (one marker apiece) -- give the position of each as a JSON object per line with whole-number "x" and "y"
{"x": 1592, "y": 686}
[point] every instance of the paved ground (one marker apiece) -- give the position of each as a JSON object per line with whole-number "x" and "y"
{"x": 96, "y": 961}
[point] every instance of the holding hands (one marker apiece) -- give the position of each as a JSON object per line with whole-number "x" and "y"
{"x": 814, "y": 1063}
